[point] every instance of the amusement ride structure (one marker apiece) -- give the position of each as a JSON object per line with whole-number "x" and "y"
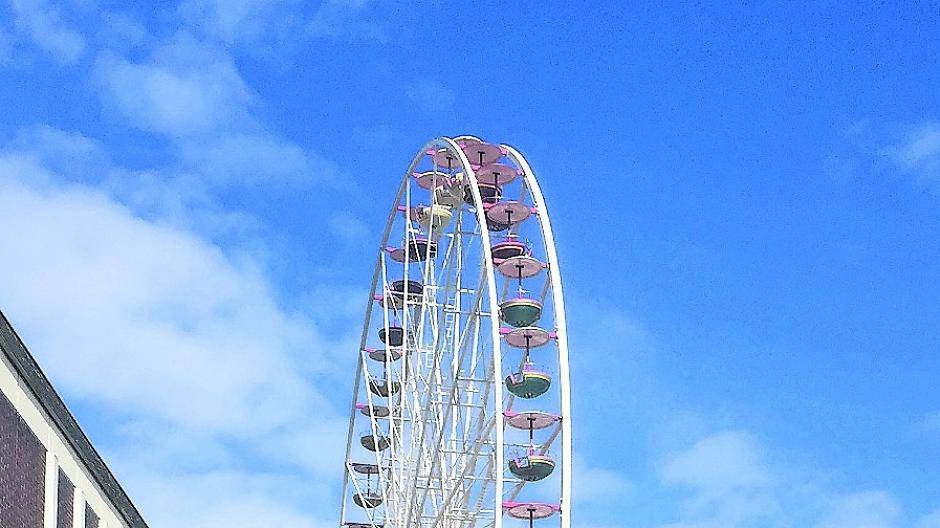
{"x": 461, "y": 407}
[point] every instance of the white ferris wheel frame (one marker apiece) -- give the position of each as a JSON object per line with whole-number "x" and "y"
{"x": 558, "y": 310}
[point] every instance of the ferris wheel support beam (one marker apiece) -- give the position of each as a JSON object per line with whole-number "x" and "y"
{"x": 461, "y": 350}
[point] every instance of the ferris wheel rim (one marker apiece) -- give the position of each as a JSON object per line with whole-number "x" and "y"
{"x": 561, "y": 325}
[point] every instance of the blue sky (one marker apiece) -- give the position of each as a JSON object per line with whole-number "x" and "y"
{"x": 745, "y": 197}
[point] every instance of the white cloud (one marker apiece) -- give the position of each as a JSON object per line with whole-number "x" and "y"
{"x": 257, "y": 23}
{"x": 121, "y": 30}
{"x": 183, "y": 200}
{"x": 6, "y": 46}
{"x": 731, "y": 485}
{"x": 44, "y": 23}
{"x": 173, "y": 196}
{"x": 183, "y": 345}
{"x": 610, "y": 326}
{"x": 595, "y": 484}
{"x": 319, "y": 447}
{"x": 729, "y": 482}
{"x": 237, "y": 20}
{"x": 161, "y": 308}
{"x": 348, "y": 227}
{"x": 930, "y": 423}
{"x": 347, "y": 19}
{"x": 931, "y": 520}
{"x": 433, "y": 96}
{"x": 259, "y": 158}
{"x": 187, "y": 88}
{"x": 919, "y": 153}
{"x": 232, "y": 499}
{"x": 193, "y": 93}
{"x": 870, "y": 509}
{"x": 728, "y": 459}
{"x": 60, "y": 151}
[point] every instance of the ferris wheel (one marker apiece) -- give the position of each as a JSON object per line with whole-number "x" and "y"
{"x": 460, "y": 414}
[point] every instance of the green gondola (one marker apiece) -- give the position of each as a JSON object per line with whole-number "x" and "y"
{"x": 528, "y": 383}
{"x": 532, "y": 468}
{"x": 520, "y": 312}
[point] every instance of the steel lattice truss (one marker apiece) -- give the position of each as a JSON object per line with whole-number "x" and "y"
{"x": 461, "y": 407}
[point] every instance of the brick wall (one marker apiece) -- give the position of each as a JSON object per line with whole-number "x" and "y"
{"x": 22, "y": 471}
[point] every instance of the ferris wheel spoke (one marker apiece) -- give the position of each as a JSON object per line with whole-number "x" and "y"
{"x": 469, "y": 469}
{"x": 445, "y": 417}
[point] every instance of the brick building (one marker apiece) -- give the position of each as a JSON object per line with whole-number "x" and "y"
{"x": 50, "y": 474}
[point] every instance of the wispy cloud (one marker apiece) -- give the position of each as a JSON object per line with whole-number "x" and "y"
{"x": 61, "y": 151}
{"x": 238, "y": 499}
{"x": 872, "y": 509}
{"x": 254, "y": 22}
{"x": 168, "y": 194}
{"x": 6, "y": 46}
{"x": 919, "y": 152}
{"x": 599, "y": 485}
{"x": 178, "y": 312}
{"x": 235, "y": 21}
{"x": 930, "y": 423}
{"x": 44, "y": 23}
{"x": 260, "y": 158}
{"x": 724, "y": 460}
{"x": 192, "y": 93}
{"x": 729, "y": 482}
{"x": 350, "y": 19}
{"x": 348, "y": 227}
{"x": 187, "y": 88}
{"x": 432, "y": 96}
{"x": 119, "y": 30}
{"x": 931, "y": 520}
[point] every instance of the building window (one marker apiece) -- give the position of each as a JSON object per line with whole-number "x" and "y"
{"x": 91, "y": 518}
{"x": 66, "y": 496}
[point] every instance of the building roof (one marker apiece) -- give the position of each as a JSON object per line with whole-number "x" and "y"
{"x": 37, "y": 383}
